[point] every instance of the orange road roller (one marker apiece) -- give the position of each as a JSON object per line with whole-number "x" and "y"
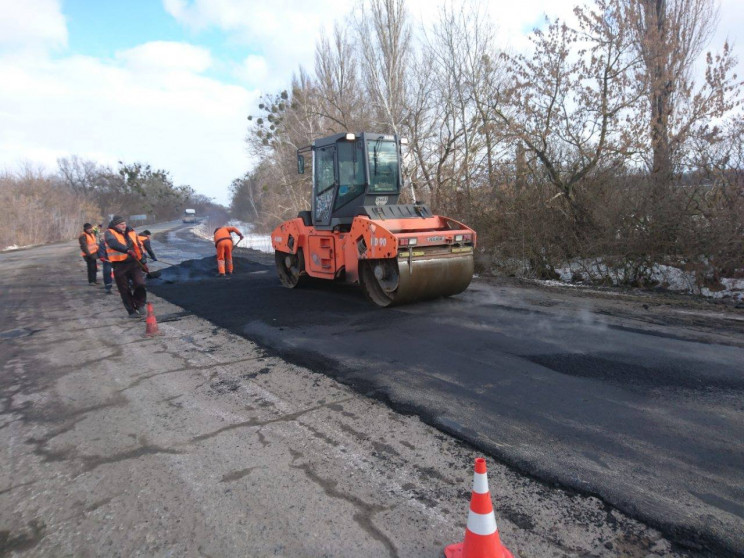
{"x": 358, "y": 233}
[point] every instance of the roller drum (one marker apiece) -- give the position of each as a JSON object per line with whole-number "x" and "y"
{"x": 392, "y": 282}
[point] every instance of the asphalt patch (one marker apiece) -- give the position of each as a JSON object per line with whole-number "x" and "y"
{"x": 403, "y": 357}
{"x": 610, "y": 368}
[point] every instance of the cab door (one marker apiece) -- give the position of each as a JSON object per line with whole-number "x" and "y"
{"x": 324, "y": 184}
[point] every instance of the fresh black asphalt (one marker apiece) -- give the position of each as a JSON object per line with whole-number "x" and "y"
{"x": 651, "y": 423}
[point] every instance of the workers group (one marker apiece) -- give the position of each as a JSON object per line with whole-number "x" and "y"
{"x": 123, "y": 254}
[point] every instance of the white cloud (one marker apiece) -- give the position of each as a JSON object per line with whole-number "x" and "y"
{"x": 511, "y": 20}
{"x": 175, "y": 119}
{"x": 163, "y": 55}
{"x": 282, "y": 32}
{"x": 32, "y": 23}
{"x": 730, "y": 26}
{"x": 254, "y": 69}
{"x": 262, "y": 16}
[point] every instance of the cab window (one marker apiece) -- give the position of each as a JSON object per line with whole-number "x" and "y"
{"x": 350, "y": 172}
{"x": 383, "y": 166}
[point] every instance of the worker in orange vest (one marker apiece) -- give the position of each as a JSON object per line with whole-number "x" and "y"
{"x": 88, "y": 248}
{"x": 124, "y": 251}
{"x": 224, "y": 244}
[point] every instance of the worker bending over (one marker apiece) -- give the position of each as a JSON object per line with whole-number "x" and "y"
{"x": 125, "y": 254}
{"x": 224, "y": 244}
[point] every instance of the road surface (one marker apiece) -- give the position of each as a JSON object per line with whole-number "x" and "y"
{"x": 201, "y": 442}
{"x": 638, "y": 400}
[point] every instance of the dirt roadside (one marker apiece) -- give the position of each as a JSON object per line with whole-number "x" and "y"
{"x": 195, "y": 443}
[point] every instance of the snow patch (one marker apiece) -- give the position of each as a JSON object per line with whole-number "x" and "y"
{"x": 664, "y": 276}
{"x": 16, "y": 247}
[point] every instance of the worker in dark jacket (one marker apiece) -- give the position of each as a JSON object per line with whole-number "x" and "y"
{"x": 224, "y": 244}
{"x": 125, "y": 254}
{"x": 106, "y": 265}
{"x": 89, "y": 248}
{"x": 144, "y": 238}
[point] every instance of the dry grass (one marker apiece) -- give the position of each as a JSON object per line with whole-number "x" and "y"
{"x": 37, "y": 209}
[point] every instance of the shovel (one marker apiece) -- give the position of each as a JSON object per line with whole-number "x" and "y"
{"x": 149, "y": 274}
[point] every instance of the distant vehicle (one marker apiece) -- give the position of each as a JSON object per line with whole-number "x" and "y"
{"x": 189, "y": 216}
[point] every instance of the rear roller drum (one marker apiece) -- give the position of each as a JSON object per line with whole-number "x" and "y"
{"x": 289, "y": 268}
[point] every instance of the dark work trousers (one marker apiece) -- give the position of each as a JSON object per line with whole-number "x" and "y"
{"x": 130, "y": 280}
{"x": 107, "y": 280}
{"x": 90, "y": 261}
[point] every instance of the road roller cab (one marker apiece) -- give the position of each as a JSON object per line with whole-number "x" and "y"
{"x": 357, "y": 231}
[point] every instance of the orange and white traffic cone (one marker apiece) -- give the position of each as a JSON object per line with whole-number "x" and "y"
{"x": 151, "y": 324}
{"x": 481, "y": 534}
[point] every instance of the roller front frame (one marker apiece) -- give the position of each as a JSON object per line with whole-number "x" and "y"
{"x": 436, "y": 259}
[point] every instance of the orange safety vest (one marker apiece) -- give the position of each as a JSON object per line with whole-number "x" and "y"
{"x": 115, "y": 256}
{"x": 142, "y": 239}
{"x": 223, "y": 233}
{"x": 92, "y": 244}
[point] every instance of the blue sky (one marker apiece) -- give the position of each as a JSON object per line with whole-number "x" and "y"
{"x": 102, "y": 28}
{"x": 170, "y": 82}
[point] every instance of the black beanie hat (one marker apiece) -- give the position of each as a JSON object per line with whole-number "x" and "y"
{"x": 87, "y": 226}
{"x": 146, "y": 233}
{"x": 116, "y": 220}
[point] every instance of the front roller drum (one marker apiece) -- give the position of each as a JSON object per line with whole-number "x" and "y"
{"x": 389, "y": 282}
{"x": 290, "y": 268}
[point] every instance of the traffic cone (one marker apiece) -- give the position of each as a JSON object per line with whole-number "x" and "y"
{"x": 481, "y": 534}
{"x": 151, "y": 324}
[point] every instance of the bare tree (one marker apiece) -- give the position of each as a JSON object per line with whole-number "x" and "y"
{"x": 669, "y": 36}
{"x": 429, "y": 149}
{"x": 570, "y": 101}
{"x": 247, "y": 197}
{"x": 385, "y": 42}
{"x": 79, "y": 174}
{"x": 339, "y": 92}
{"x": 469, "y": 77}
{"x": 287, "y": 122}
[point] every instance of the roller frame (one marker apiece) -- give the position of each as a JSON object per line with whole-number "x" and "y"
{"x": 435, "y": 266}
